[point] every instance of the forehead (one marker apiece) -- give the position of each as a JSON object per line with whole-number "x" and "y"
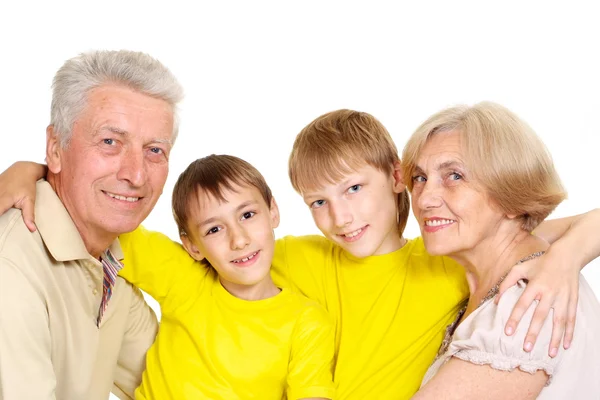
{"x": 210, "y": 203}
{"x": 127, "y": 111}
{"x": 440, "y": 149}
{"x": 348, "y": 176}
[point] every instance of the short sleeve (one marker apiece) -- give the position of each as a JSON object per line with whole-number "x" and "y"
{"x": 311, "y": 364}
{"x": 160, "y": 267}
{"x": 480, "y": 338}
{"x": 299, "y": 263}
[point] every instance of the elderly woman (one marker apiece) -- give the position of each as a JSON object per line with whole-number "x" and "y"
{"x": 481, "y": 181}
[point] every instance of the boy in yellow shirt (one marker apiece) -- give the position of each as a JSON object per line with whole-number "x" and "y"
{"x": 227, "y": 332}
{"x": 390, "y": 300}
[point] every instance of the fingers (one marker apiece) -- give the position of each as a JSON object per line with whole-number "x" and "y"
{"x": 511, "y": 280}
{"x": 28, "y": 210}
{"x": 528, "y": 297}
{"x": 571, "y": 319}
{"x": 537, "y": 321}
{"x": 559, "y": 323}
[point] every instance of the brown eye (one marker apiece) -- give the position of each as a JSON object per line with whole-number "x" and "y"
{"x": 248, "y": 214}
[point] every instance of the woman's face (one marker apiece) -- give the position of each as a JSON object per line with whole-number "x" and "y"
{"x": 454, "y": 212}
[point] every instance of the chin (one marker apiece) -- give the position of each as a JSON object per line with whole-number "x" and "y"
{"x": 359, "y": 251}
{"x": 436, "y": 249}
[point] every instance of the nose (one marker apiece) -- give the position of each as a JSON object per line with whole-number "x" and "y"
{"x": 239, "y": 237}
{"x": 133, "y": 167}
{"x": 341, "y": 214}
{"x": 430, "y": 196}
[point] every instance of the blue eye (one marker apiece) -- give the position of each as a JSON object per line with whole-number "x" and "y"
{"x": 317, "y": 204}
{"x": 156, "y": 150}
{"x": 109, "y": 142}
{"x": 354, "y": 188}
{"x": 419, "y": 178}
{"x": 455, "y": 176}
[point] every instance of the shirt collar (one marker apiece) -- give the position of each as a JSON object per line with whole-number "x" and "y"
{"x": 58, "y": 231}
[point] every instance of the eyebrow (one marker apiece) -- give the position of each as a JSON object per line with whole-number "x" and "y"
{"x": 238, "y": 208}
{"x": 123, "y": 132}
{"x": 445, "y": 165}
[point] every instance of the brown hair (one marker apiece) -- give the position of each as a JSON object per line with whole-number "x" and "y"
{"x": 339, "y": 142}
{"x": 503, "y": 154}
{"x": 213, "y": 174}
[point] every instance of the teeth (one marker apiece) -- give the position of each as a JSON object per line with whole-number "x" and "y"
{"x": 352, "y": 234}
{"x": 438, "y": 222}
{"x": 250, "y": 257}
{"x": 129, "y": 199}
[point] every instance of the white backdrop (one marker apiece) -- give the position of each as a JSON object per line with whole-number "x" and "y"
{"x": 256, "y": 72}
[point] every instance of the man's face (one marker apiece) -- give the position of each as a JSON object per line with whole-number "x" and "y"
{"x": 112, "y": 172}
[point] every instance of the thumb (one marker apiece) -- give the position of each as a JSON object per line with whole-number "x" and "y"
{"x": 28, "y": 211}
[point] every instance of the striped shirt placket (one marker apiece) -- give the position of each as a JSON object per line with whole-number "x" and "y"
{"x": 111, "y": 267}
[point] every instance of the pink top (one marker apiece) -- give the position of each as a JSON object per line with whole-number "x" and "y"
{"x": 573, "y": 373}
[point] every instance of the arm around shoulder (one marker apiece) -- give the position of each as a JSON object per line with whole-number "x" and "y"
{"x": 483, "y": 362}
{"x": 154, "y": 262}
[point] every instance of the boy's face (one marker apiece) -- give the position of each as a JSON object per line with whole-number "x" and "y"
{"x": 235, "y": 236}
{"x": 359, "y": 212}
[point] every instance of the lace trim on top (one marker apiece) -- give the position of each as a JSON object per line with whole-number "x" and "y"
{"x": 490, "y": 294}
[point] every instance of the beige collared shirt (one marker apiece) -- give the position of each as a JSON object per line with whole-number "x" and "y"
{"x": 50, "y": 293}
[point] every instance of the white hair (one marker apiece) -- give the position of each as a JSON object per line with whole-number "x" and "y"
{"x": 82, "y": 73}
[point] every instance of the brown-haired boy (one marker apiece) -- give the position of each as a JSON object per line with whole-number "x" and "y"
{"x": 227, "y": 332}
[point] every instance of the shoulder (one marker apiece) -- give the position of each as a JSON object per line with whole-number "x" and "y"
{"x": 308, "y": 311}
{"x": 14, "y": 235}
{"x": 143, "y": 239}
{"x": 480, "y": 338}
{"x": 441, "y": 273}
{"x": 19, "y": 247}
{"x": 305, "y": 244}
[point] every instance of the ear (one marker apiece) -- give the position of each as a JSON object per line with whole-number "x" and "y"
{"x": 398, "y": 176}
{"x": 274, "y": 210}
{"x": 53, "y": 150}
{"x": 191, "y": 248}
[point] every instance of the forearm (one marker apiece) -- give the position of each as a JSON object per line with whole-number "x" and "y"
{"x": 29, "y": 169}
{"x": 580, "y": 240}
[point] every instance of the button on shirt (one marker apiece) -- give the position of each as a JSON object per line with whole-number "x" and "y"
{"x": 55, "y": 340}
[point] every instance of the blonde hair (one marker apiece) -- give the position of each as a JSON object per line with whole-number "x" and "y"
{"x": 338, "y": 143}
{"x": 502, "y": 153}
{"x": 213, "y": 174}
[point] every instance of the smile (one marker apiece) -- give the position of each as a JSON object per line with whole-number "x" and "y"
{"x": 245, "y": 259}
{"x": 123, "y": 198}
{"x": 439, "y": 222}
{"x": 352, "y": 234}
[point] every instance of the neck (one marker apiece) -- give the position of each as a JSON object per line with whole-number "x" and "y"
{"x": 259, "y": 291}
{"x": 95, "y": 242}
{"x": 492, "y": 258}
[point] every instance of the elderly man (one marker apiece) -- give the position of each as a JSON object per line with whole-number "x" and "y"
{"x": 69, "y": 327}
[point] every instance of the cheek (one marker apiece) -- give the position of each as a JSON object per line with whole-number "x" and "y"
{"x": 319, "y": 217}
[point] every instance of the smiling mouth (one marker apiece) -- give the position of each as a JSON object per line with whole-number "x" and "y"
{"x": 352, "y": 234}
{"x": 439, "y": 222}
{"x": 245, "y": 259}
{"x": 122, "y": 198}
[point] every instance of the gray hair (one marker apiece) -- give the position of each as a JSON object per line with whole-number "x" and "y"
{"x": 82, "y": 73}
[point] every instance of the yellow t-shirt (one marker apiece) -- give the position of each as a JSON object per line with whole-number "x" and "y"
{"x": 212, "y": 345}
{"x": 390, "y": 311}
